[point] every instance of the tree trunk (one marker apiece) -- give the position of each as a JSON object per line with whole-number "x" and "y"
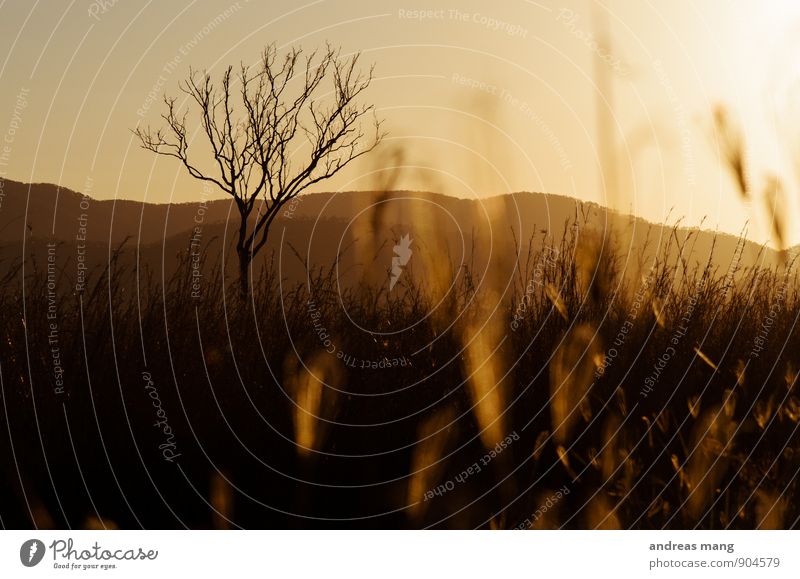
{"x": 244, "y": 272}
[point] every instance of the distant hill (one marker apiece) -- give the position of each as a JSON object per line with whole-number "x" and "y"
{"x": 315, "y": 228}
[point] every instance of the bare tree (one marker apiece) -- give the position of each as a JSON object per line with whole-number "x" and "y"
{"x": 274, "y": 136}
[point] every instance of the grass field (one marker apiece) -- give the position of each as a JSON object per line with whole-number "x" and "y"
{"x": 586, "y": 394}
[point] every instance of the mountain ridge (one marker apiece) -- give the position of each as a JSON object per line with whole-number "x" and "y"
{"x": 13, "y": 188}
{"x": 322, "y": 229}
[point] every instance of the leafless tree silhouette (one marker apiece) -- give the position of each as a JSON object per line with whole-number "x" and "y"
{"x": 272, "y": 137}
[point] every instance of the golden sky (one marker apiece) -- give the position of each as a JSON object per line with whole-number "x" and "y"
{"x": 482, "y": 97}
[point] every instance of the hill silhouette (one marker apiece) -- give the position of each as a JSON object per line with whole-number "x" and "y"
{"x": 317, "y": 230}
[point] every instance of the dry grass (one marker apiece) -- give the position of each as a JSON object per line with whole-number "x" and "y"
{"x": 295, "y": 430}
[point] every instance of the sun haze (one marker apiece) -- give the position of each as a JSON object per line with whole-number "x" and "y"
{"x": 605, "y": 101}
